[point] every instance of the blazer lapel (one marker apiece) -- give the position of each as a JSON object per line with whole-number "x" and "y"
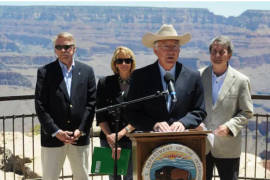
{"x": 157, "y": 84}
{"x": 61, "y": 81}
{"x": 76, "y": 74}
{"x": 155, "y": 74}
{"x": 178, "y": 69}
{"x": 227, "y": 84}
{"x": 115, "y": 90}
{"x": 207, "y": 82}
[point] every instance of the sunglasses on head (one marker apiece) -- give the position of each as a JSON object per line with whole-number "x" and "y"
{"x": 65, "y": 47}
{"x": 120, "y": 61}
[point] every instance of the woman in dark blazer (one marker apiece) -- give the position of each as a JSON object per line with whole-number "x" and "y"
{"x": 112, "y": 90}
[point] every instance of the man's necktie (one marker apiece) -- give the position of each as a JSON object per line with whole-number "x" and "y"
{"x": 168, "y": 103}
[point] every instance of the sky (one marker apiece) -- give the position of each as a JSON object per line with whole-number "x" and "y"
{"x": 225, "y": 8}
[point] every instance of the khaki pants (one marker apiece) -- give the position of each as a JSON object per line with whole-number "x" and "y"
{"x": 53, "y": 158}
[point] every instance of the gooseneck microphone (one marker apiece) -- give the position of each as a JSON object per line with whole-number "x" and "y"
{"x": 169, "y": 79}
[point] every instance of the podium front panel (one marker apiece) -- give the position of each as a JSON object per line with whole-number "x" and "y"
{"x": 143, "y": 145}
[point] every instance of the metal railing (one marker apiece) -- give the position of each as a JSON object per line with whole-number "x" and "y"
{"x": 19, "y": 133}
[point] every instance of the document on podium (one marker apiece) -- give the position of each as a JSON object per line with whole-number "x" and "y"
{"x": 103, "y": 163}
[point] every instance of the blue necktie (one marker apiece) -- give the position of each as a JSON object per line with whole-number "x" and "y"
{"x": 168, "y": 103}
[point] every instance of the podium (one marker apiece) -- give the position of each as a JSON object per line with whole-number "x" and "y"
{"x": 144, "y": 143}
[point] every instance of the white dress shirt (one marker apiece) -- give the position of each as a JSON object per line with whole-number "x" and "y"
{"x": 217, "y": 82}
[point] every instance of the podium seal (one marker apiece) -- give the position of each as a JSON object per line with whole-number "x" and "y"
{"x": 173, "y": 162}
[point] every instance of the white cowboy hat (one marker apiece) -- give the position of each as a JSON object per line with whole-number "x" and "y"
{"x": 166, "y": 31}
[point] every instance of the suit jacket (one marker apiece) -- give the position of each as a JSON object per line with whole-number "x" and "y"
{"x": 56, "y": 110}
{"x": 109, "y": 93}
{"x": 189, "y": 108}
{"x": 233, "y": 108}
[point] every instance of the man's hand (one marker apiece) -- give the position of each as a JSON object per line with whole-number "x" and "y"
{"x": 201, "y": 127}
{"x": 77, "y": 134}
{"x": 177, "y": 127}
{"x": 65, "y": 136}
{"x": 222, "y": 130}
{"x": 162, "y": 127}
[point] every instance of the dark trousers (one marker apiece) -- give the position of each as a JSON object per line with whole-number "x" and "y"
{"x": 129, "y": 175}
{"x": 228, "y": 168}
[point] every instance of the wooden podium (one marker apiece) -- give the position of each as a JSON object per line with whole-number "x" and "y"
{"x": 144, "y": 143}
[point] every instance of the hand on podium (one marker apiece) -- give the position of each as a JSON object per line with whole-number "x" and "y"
{"x": 201, "y": 127}
{"x": 165, "y": 127}
{"x": 177, "y": 127}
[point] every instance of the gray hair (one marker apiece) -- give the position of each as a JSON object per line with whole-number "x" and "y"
{"x": 224, "y": 41}
{"x": 155, "y": 44}
{"x": 65, "y": 35}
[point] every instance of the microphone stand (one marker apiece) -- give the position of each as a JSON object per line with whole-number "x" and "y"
{"x": 115, "y": 110}
{"x": 116, "y": 114}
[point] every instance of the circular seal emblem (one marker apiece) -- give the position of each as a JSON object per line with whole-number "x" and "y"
{"x": 173, "y": 162}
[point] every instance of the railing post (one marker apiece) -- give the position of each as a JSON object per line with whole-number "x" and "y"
{"x": 256, "y": 144}
{"x": 266, "y": 148}
{"x": 33, "y": 142}
{"x": 13, "y": 140}
{"x": 4, "y": 142}
{"x": 246, "y": 139}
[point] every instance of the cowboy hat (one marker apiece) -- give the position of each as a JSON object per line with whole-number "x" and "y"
{"x": 166, "y": 31}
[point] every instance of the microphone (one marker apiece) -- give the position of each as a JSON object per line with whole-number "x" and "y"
{"x": 170, "y": 82}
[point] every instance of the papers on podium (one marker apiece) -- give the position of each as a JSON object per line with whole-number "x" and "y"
{"x": 103, "y": 163}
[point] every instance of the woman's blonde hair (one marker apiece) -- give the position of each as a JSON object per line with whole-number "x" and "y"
{"x": 127, "y": 52}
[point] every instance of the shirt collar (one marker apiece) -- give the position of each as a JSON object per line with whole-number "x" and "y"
{"x": 64, "y": 67}
{"x": 163, "y": 71}
{"x": 218, "y": 78}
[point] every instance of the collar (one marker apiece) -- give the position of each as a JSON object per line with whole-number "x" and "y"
{"x": 122, "y": 81}
{"x": 163, "y": 71}
{"x": 64, "y": 67}
{"x": 218, "y": 78}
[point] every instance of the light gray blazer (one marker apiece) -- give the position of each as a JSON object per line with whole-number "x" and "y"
{"x": 233, "y": 108}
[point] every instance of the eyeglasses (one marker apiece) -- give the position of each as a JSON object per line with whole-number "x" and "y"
{"x": 120, "y": 61}
{"x": 172, "y": 48}
{"x": 65, "y": 47}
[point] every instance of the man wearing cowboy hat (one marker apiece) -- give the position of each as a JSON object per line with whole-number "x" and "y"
{"x": 162, "y": 114}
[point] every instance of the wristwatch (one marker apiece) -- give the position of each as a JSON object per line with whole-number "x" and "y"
{"x": 128, "y": 129}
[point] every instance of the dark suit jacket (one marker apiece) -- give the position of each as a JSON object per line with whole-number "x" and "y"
{"x": 56, "y": 110}
{"x": 189, "y": 108}
{"x": 109, "y": 93}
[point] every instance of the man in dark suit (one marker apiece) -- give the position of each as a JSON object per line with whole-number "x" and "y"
{"x": 162, "y": 114}
{"x": 65, "y": 100}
